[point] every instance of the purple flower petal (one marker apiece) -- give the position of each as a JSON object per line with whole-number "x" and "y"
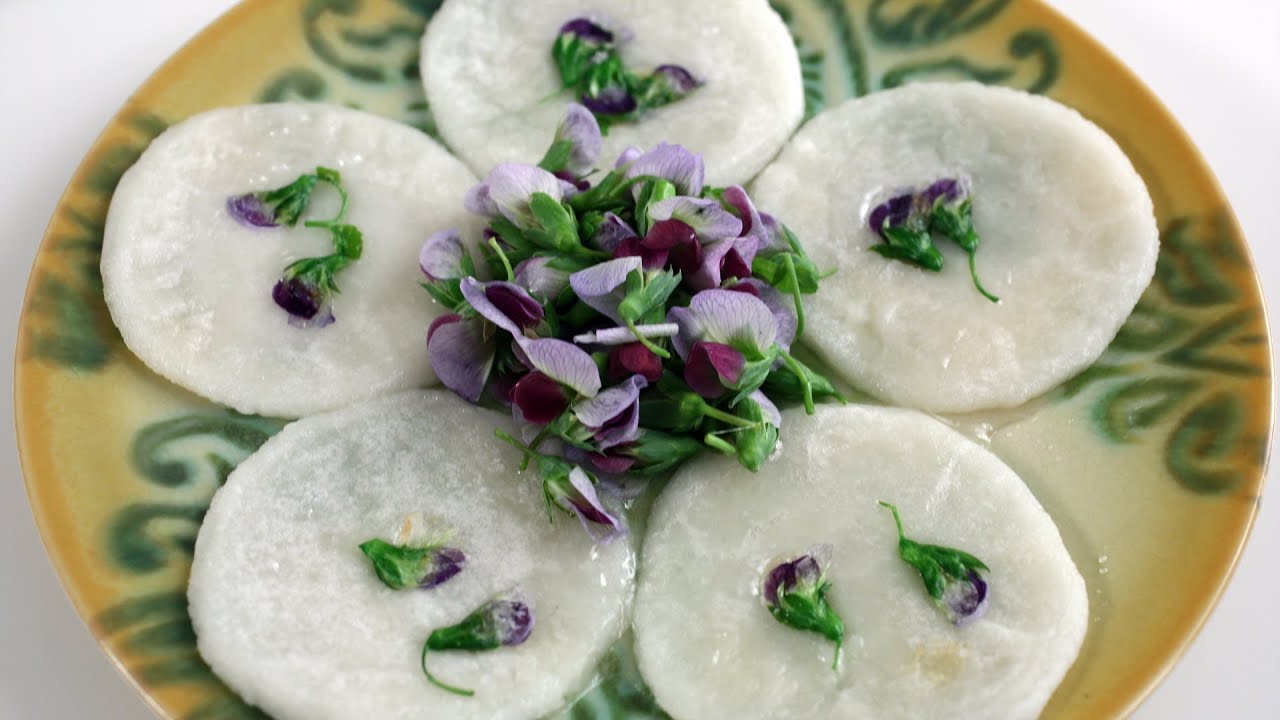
{"x": 478, "y": 202}
{"x": 612, "y": 232}
{"x": 801, "y": 573}
{"x": 308, "y": 304}
{"x": 627, "y": 156}
{"x": 441, "y": 255}
{"x": 712, "y": 368}
{"x": 671, "y": 162}
{"x": 564, "y": 362}
{"x": 582, "y": 500}
{"x": 722, "y": 260}
{"x": 782, "y": 307}
{"x": 966, "y": 600}
{"x": 251, "y": 211}
{"x": 512, "y": 186}
{"x": 614, "y": 414}
{"x": 634, "y": 359}
{"x": 767, "y": 407}
{"x": 707, "y": 218}
{"x": 612, "y": 100}
{"x": 538, "y": 277}
{"x": 581, "y": 129}
{"x": 746, "y": 211}
{"x": 689, "y": 333}
{"x": 587, "y": 31}
{"x": 896, "y": 210}
{"x": 442, "y": 565}
{"x": 947, "y": 189}
{"x": 678, "y": 80}
{"x": 504, "y": 304}
{"x": 773, "y": 239}
{"x": 460, "y": 355}
{"x": 603, "y": 286}
{"x": 539, "y": 398}
{"x": 510, "y": 619}
{"x": 728, "y": 317}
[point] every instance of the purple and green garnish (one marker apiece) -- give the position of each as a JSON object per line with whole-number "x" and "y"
{"x": 907, "y": 223}
{"x": 401, "y": 567}
{"x": 955, "y": 579}
{"x": 500, "y": 622}
{"x": 306, "y": 287}
{"x": 586, "y": 54}
{"x": 633, "y": 321}
{"x": 795, "y": 592}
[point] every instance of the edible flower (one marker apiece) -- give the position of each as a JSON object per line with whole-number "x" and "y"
{"x": 572, "y": 490}
{"x": 543, "y": 277}
{"x": 795, "y": 593}
{"x": 273, "y": 208}
{"x": 576, "y": 147}
{"x": 306, "y": 293}
{"x": 461, "y": 354}
{"x": 503, "y": 621}
{"x": 633, "y": 358}
{"x": 408, "y": 566}
{"x": 510, "y": 190}
{"x": 954, "y": 579}
{"x": 613, "y": 416}
{"x": 907, "y": 222}
{"x": 586, "y": 55}
{"x": 673, "y": 163}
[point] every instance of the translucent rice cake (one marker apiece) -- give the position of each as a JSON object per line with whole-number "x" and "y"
{"x": 1068, "y": 242}
{"x": 492, "y": 83}
{"x": 709, "y": 648}
{"x": 291, "y": 615}
{"x": 191, "y": 288}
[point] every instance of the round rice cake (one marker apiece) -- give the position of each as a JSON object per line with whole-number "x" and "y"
{"x": 709, "y": 648}
{"x": 191, "y": 288}
{"x": 291, "y": 615}
{"x": 492, "y": 83}
{"x": 1068, "y": 243}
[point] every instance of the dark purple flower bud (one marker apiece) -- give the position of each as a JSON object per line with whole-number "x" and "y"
{"x": 308, "y": 304}
{"x": 587, "y": 31}
{"x": 250, "y": 210}
{"x": 460, "y": 354}
{"x": 501, "y": 621}
{"x": 677, "y": 80}
{"x": 712, "y": 367}
{"x": 795, "y": 591}
{"x": 634, "y": 359}
{"x": 672, "y": 241}
{"x": 539, "y": 398}
{"x": 896, "y": 210}
{"x": 613, "y": 231}
{"x": 948, "y": 190}
{"x": 612, "y": 100}
{"x": 613, "y": 415}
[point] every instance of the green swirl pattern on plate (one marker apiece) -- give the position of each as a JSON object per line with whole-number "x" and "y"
{"x": 1183, "y": 375}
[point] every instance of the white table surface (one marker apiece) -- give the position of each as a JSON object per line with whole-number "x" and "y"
{"x": 67, "y": 65}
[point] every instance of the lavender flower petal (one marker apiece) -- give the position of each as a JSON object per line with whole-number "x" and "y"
{"x": 614, "y": 414}
{"x": 773, "y": 237}
{"x": 564, "y": 362}
{"x": 599, "y": 523}
{"x": 690, "y": 330}
{"x": 477, "y": 201}
{"x": 679, "y": 81}
{"x": 767, "y": 407}
{"x": 603, "y": 286}
{"x": 682, "y": 168}
{"x": 581, "y": 129}
{"x": 587, "y": 31}
{"x": 441, "y": 566}
{"x": 441, "y": 255}
{"x": 512, "y": 186}
{"x": 707, "y": 218}
{"x": 538, "y": 277}
{"x": 510, "y": 618}
{"x": 733, "y": 318}
{"x": 613, "y": 231}
{"x": 460, "y": 355}
{"x": 251, "y": 211}
{"x": 782, "y": 307}
{"x": 504, "y": 304}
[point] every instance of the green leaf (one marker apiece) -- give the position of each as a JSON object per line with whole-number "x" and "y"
{"x": 679, "y": 412}
{"x": 784, "y": 387}
{"x": 754, "y": 373}
{"x": 291, "y": 200}
{"x": 652, "y": 191}
{"x": 348, "y": 241}
{"x": 755, "y": 444}
{"x": 913, "y": 246}
{"x": 557, "y": 156}
{"x": 657, "y": 452}
{"x": 398, "y": 567}
{"x": 651, "y": 296}
{"x": 557, "y": 229}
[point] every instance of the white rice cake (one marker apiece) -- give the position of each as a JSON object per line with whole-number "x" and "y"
{"x": 1069, "y": 243}
{"x": 709, "y": 648}
{"x": 190, "y": 287}
{"x": 492, "y": 83}
{"x": 290, "y": 614}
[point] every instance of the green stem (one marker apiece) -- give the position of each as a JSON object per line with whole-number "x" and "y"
{"x": 729, "y": 418}
{"x": 716, "y": 443}
{"x": 798, "y": 370}
{"x": 835, "y": 662}
{"x": 795, "y": 293}
{"x": 973, "y": 272}
{"x": 442, "y": 685}
{"x": 506, "y": 264}
{"x": 647, "y": 342}
{"x": 897, "y": 520}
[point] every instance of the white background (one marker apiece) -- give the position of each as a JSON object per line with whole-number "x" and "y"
{"x": 67, "y": 65}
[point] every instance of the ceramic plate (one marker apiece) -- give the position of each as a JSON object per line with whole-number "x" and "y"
{"x": 1150, "y": 461}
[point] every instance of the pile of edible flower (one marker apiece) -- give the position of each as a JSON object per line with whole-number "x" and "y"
{"x": 628, "y": 322}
